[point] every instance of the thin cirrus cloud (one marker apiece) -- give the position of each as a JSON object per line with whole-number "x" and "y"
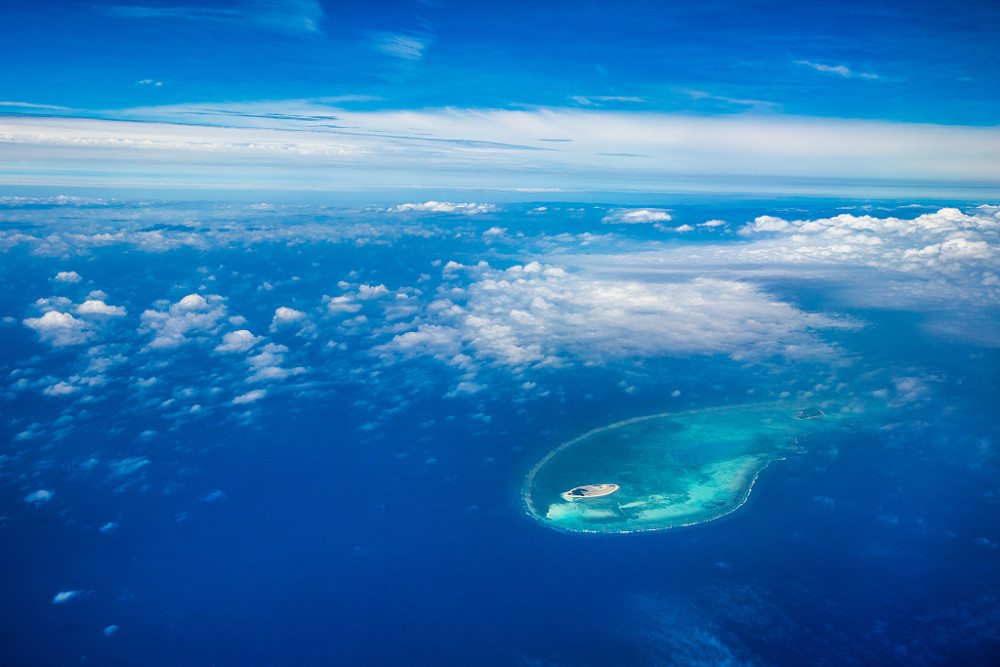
{"x": 399, "y": 45}
{"x": 280, "y": 15}
{"x": 599, "y": 100}
{"x": 841, "y": 70}
{"x": 496, "y": 149}
{"x": 28, "y": 105}
{"x": 757, "y": 105}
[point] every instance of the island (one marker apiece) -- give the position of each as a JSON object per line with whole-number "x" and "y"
{"x": 590, "y": 491}
{"x": 669, "y": 469}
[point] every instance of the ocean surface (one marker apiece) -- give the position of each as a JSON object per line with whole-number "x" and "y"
{"x": 283, "y": 434}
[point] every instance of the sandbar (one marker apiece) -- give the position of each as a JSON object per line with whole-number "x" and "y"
{"x": 590, "y": 491}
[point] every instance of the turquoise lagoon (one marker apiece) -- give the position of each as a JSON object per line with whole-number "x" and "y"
{"x": 672, "y": 469}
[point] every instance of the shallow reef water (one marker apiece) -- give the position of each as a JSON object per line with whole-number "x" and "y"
{"x": 671, "y": 469}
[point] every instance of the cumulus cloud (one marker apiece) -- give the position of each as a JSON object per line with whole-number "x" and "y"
{"x": 465, "y": 387}
{"x": 764, "y": 223}
{"x": 533, "y": 315}
{"x": 946, "y": 241}
{"x": 343, "y": 304}
{"x": 218, "y": 494}
{"x": 284, "y": 316}
{"x": 637, "y": 216}
{"x": 237, "y": 341}
{"x": 943, "y": 263}
{"x": 126, "y": 466}
{"x": 67, "y": 277}
{"x": 60, "y": 388}
{"x": 39, "y": 496}
{"x": 65, "y": 596}
{"x": 191, "y": 316}
{"x": 447, "y": 207}
{"x": 97, "y": 308}
{"x": 249, "y": 397}
{"x": 266, "y": 366}
{"x": 58, "y": 329}
{"x": 366, "y": 292}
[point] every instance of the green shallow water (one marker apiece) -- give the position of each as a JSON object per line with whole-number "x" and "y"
{"x": 672, "y": 469}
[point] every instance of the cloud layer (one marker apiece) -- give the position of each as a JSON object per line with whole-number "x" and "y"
{"x": 283, "y": 146}
{"x": 536, "y": 316}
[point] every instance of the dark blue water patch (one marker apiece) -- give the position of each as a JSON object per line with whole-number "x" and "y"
{"x": 319, "y": 557}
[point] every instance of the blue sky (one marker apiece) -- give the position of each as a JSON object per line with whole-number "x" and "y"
{"x": 301, "y": 65}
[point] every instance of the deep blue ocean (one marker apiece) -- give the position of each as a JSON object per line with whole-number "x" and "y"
{"x": 341, "y": 484}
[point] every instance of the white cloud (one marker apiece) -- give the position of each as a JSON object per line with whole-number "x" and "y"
{"x": 67, "y": 277}
{"x": 536, "y": 316}
{"x": 39, "y": 496}
{"x": 405, "y": 47}
{"x": 192, "y": 303}
{"x": 271, "y": 373}
{"x": 59, "y": 329}
{"x": 367, "y": 292}
{"x": 756, "y": 105}
{"x": 65, "y": 596}
{"x": 249, "y": 397}
{"x": 127, "y": 466}
{"x": 841, "y": 70}
{"x": 764, "y": 223}
{"x": 284, "y": 315}
{"x": 28, "y": 105}
{"x": 598, "y": 100}
{"x": 293, "y": 16}
{"x": 637, "y": 216}
{"x": 61, "y": 388}
{"x": 447, "y": 207}
{"x": 939, "y": 263}
{"x": 266, "y": 366}
{"x": 149, "y": 82}
{"x": 237, "y": 341}
{"x": 343, "y": 304}
{"x": 192, "y": 315}
{"x": 96, "y": 307}
{"x": 946, "y": 240}
{"x": 500, "y": 149}
{"x": 465, "y": 387}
